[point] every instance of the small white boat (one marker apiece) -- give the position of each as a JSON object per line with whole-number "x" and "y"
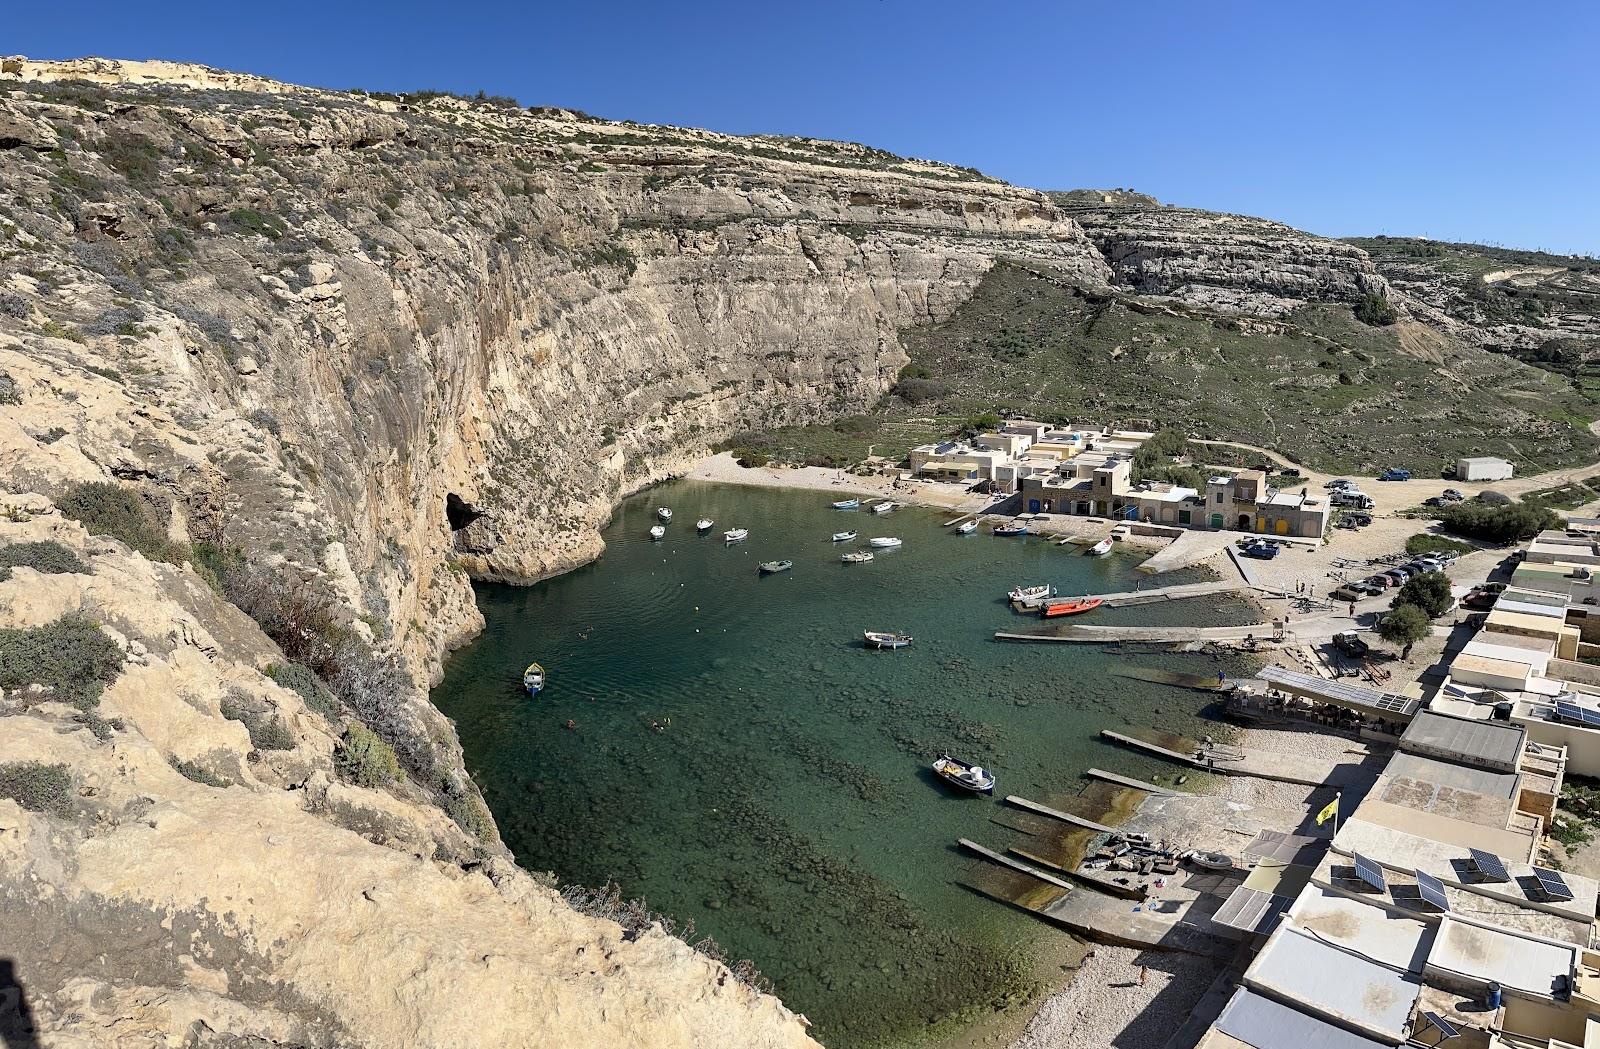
{"x": 656, "y": 531}
{"x": 843, "y": 537}
{"x": 1211, "y": 861}
{"x": 704, "y": 524}
{"x": 1102, "y": 547}
{"x": 1031, "y": 593}
{"x": 967, "y": 527}
{"x": 968, "y": 777}
{"x": 857, "y": 557}
{"x": 736, "y": 535}
{"x": 886, "y": 639}
{"x": 664, "y": 513}
{"x": 884, "y": 507}
{"x": 533, "y": 679}
{"x": 847, "y": 504}
{"x": 884, "y": 542}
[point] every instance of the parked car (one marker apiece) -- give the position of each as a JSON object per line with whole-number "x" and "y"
{"x": 1434, "y": 500}
{"x": 1452, "y": 495}
{"x": 1394, "y": 473}
{"x": 1337, "y": 482}
{"x": 1382, "y": 582}
{"x": 1352, "y": 497}
{"x": 1350, "y": 643}
{"x": 1265, "y": 551}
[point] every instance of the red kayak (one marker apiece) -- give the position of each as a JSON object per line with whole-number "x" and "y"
{"x": 1069, "y": 608}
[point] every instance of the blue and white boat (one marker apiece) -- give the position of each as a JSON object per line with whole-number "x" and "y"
{"x": 847, "y": 504}
{"x": 533, "y": 679}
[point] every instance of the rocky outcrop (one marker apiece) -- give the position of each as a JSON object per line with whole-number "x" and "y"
{"x": 200, "y": 882}
{"x": 1231, "y": 263}
{"x": 377, "y": 346}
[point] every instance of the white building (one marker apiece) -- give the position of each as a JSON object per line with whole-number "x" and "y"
{"x": 1483, "y": 468}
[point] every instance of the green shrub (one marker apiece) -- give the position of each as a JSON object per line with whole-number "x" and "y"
{"x": 470, "y": 815}
{"x": 46, "y": 556}
{"x": 267, "y": 731}
{"x": 299, "y": 678}
{"x": 1429, "y": 591}
{"x": 71, "y": 657}
{"x": 197, "y": 773}
{"x": 249, "y": 220}
{"x": 1498, "y": 522}
{"x": 751, "y": 457}
{"x": 1405, "y": 626}
{"x": 1376, "y": 310}
{"x": 1427, "y": 543}
{"x": 37, "y": 787}
{"x": 364, "y": 759}
{"x": 111, "y": 509}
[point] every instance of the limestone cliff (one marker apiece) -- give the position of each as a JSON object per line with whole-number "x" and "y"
{"x": 373, "y": 346}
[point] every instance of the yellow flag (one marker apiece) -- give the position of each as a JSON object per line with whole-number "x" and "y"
{"x": 1329, "y": 811}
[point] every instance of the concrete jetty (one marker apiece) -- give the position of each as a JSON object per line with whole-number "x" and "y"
{"x": 1282, "y": 768}
{"x": 1083, "y": 634}
{"x": 1065, "y": 817}
{"x": 1014, "y": 864}
{"x": 1156, "y": 595}
{"x": 1136, "y": 784}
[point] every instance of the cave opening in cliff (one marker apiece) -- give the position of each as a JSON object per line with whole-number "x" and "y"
{"x": 459, "y": 512}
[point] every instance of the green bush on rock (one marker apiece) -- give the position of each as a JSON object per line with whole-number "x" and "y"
{"x": 37, "y": 787}
{"x": 71, "y": 657}
{"x": 364, "y": 759}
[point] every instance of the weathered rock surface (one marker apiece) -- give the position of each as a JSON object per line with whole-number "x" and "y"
{"x": 1222, "y": 262}
{"x": 273, "y": 904}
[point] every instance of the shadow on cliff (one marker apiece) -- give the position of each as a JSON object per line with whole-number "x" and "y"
{"x": 17, "y": 1030}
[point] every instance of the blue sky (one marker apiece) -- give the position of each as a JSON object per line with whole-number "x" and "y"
{"x": 1456, "y": 120}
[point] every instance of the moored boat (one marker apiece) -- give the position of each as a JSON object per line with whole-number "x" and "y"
{"x": 966, "y": 527}
{"x": 664, "y": 513}
{"x": 886, "y": 639}
{"x": 1031, "y": 593}
{"x": 847, "y": 504}
{"x": 533, "y": 679}
{"x": 843, "y": 537}
{"x": 1069, "y": 607}
{"x": 884, "y": 507}
{"x": 1102, "y": 547}
{"x": 1014, "y": 528}
{"x": 975, "y": 778}
{"x": 1211, "y": 861}
{"x": 884, "y": 542}
{"x": 774, "y": 567}
{"x": 656, "y": 531}
{"x": 736, "y": 535}
{"x": 857, "y": 557}
{"x": 704, "y": 524}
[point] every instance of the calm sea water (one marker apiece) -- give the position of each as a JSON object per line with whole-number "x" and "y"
{"x": 739, "y": 759}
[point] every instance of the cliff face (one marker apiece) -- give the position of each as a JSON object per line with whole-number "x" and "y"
{"x": 376, "y": 346}
{"x": 1218, "y": 261}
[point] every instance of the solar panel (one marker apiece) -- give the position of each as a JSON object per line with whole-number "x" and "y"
{"x": 1489, "y": 865}
{"x": 1432, "y": 890}
{"x": 1446, "y": 1028}
{"x": 1577, "y": 713}
{"x": 1371, "y": 873}
{"x": 1553, "y": 884}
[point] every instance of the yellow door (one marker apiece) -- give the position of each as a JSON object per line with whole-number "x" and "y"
{"x": 1261, "y": 524}
{"x": 1283, "y": 526}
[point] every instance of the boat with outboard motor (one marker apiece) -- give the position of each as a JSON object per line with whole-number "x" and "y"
{"x": 843, "y": 537}
{"x": 847, "y": 504}
{"x": 533, "y": 679}
{"x": 884, "y": 507}
{"x": 665, "y": 513}
{"x": 1100, "y": 548}
{"x": 1014, "y": 528}
{"x": 884, "y": 542}
{"x": 704, "y": 524}
{"x": 857, "y": 557}
{"x": 886, "y": 639}
{"x": 656, "y": 531}
{"x": 736, "y": 535}
{"x": 1070, "y": 607}
{"x": 966, "y": 527}
{"x": 1031, "y": 593}
{"x": 975, "y": 778}
{"x": 774, "y": 567}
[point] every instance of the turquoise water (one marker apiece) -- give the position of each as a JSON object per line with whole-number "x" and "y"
{"x": 739, "y": 759}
